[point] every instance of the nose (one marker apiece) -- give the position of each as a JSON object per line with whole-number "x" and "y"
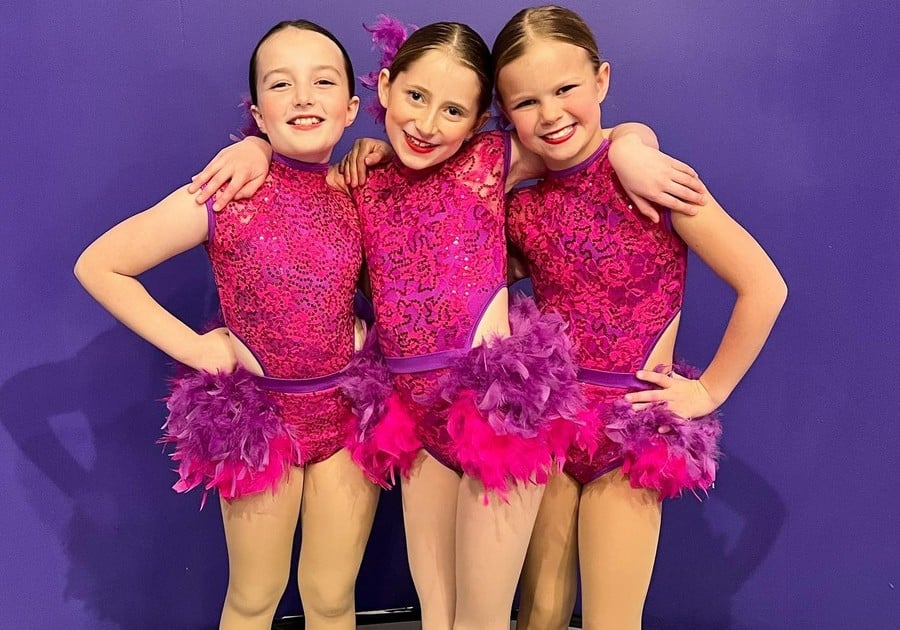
{"x": 427, "y": 124}
{"x": 550, "y": 113}
{"x": 303, "y": 95}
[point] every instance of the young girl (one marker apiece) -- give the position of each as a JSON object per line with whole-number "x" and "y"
{"x": 433, "y": 233}
{"x": 286, "y": 262}
{"x": 619, "y": 284}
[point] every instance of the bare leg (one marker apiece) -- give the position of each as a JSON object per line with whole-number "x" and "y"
{"x": 618, "y": 531}
{"x": 336, "y": 517}
{"x": 490, "y": 549}
{"x": 429, "y": 516}
{"x": 259, "y": 532}
{"x": 549, "y": 581}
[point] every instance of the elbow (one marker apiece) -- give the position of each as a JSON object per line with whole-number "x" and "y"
{"x": 85, "y": 268}
{"x": 779, "y": 291}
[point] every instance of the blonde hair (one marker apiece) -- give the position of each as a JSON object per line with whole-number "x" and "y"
{"x": 545, "y": 22}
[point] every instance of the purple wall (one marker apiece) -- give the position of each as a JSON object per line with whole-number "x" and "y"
{"x": 790, "y": 115}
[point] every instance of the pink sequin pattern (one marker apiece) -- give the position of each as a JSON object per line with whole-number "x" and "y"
{"x": 286, "y": 263}
{"x": 617, "y": 278}
{"x": 435, "y": 246}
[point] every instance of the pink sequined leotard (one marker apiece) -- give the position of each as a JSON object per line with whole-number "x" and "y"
{"x": 435, "y": 246}
{"x": 616, "y": 278}
{"x": 286, "y": 263}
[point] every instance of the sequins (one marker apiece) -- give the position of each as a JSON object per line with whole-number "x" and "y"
{"x": 617, "y": 278}
{"x": 286, "y": 264}
{"x": 433, "y": 243}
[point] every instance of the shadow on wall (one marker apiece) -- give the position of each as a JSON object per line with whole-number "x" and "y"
{"x": 700, "y": 568}
{"x": 137, "y": 551}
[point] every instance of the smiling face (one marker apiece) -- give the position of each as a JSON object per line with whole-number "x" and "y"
{"x": 552, "y": 95}
{"x": 432, "y": 108}
{"x": 303, "y": 95}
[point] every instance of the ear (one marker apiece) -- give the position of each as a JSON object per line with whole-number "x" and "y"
{"x": 481, "y": 122}
{"x": 352, "y": 111}
{"x": 384, "y": 86}
{"x": 602, "y": 81}
{"x": 257, "y": 116}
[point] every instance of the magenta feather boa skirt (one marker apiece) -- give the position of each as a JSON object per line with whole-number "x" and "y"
{"x": 663, "y": 451}
{"x": 511, "y": 398}
{"x": 227, "y": 433}
{"x": 385, "y": 441}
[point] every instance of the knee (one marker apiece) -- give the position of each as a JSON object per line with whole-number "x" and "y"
{"x": 254, "y": 600}
{"x": 542, "y": 611}
{"x": 326, "y": 598}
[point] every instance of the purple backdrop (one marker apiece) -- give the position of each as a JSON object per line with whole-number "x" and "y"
{"x": 787, "y": 109}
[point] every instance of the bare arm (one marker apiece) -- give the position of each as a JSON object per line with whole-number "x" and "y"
{"x": 109, "y": 266}
{"x": 735, "y": 256}
{"x": 523, "y": 164}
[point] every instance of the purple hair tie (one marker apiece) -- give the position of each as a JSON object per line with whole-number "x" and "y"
{"x": 388, "y": 34}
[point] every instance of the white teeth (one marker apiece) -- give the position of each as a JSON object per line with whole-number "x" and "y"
{"x": 419, "y": 143}
{"x": 310, "y": 120}
{"x": 556, "y": 135}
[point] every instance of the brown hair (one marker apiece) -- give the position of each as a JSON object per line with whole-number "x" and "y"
{"x": 303, "y": 25}
{"x": 547, "y": 22}
{"x": 459, "y": 39}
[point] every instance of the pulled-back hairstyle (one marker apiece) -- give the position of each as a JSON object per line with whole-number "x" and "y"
{"x": 303, "y": 25}
{"x": 546, "y": 22}
{"x": 458, "y": 39}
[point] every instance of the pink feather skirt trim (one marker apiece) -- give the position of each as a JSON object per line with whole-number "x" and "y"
{"x": 227, "y": 434}
{"x": 663, "y": 451}
{"x": 513, "y": 401}
{"x": 388, "y": 446}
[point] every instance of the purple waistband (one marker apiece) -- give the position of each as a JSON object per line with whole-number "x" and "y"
{"x": 299, "y": 385}
{"x": 422, "y": 362}
{"x": 619, "y": 380}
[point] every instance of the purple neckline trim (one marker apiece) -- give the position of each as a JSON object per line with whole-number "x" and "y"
{"x": 581, "y": 165}
{"x": 299, "y": 164}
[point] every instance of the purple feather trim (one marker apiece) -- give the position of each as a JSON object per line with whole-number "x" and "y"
{"x": 664, "y": 451}
{"x": 249, "y": 126}
{"x": 367, "y": 383}
{"x": 388, "y": 34}
{"x": 523, "y": 381}
{"x": 227, "y": 433}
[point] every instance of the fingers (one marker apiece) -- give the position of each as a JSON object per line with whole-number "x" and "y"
{"x": 249, "y": 189}
{"x": 224, "y": 196}
{"x": 646, "y": 209}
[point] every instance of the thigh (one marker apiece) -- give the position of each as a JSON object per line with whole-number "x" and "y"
{"x": 336, "y": 516}
{"x": 618, "y": 531}
{"x": 259, "y": 532}
{"x": 491, "y": 541}
{"x": 549, "y": 581}
{"x": 429, "y": 518}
